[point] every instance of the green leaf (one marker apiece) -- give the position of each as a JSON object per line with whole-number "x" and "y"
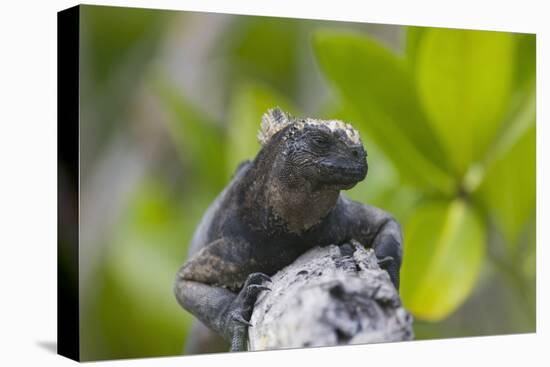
{"x": 377, "y": 89}
{"x": 521, "y": 118}
{"x": 507, "y": 186}
{"x": 526, "y": 57}
{"x": 508, "y": 191}
{"x": 464, "y": 79}
{"x": 413, "y": 37}
{"x": 444, "y": 249}
{"x": 249, "y": 103}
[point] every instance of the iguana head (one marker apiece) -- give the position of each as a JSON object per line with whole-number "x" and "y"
{"x": 328, "y": 154}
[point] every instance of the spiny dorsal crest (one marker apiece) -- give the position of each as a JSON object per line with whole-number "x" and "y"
{"x": 275, "y": 120}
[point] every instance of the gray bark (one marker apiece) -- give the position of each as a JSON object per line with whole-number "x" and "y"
{"x": 329, "y": 297}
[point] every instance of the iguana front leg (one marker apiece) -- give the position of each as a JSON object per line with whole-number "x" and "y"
{"x": 204, "y": 286}
{"x": 375, "y": 228}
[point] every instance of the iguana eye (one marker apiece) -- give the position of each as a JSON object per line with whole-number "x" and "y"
{"x": 320, "y": 141}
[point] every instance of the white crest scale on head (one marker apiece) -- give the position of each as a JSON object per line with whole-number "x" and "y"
{"x": 275, "y": 120}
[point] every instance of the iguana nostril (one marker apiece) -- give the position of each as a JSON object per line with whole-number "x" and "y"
{"x": 355, "y": 153}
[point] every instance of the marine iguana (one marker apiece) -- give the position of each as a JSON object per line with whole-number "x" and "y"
{"x": 284, "y": 202}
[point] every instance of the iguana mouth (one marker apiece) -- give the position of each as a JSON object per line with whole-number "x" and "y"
{"x": 342, "y": 173}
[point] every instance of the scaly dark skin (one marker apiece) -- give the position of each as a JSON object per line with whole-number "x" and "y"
{"x": 274, "y": 209}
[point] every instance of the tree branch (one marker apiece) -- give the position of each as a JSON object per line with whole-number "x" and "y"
{"x": 329, "y": 296}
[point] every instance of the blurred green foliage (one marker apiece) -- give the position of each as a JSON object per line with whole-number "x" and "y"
{"x": 259, "y": 48}
{"x": 133, "y": 312}
{"x": 448, "y": 119}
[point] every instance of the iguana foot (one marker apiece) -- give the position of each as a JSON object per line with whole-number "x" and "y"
{"x": 389, "y": 258}
{"x": 240, "y": 310}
